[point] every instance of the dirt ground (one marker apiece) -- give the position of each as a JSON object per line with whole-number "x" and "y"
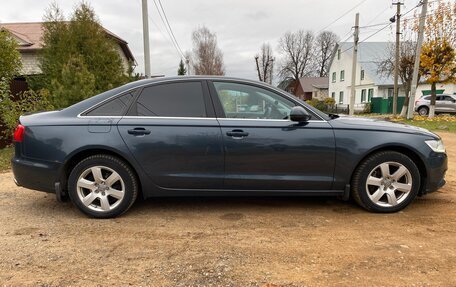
{"x": 229, "y": 241}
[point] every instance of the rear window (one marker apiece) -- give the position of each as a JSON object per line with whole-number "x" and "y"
{"x": 172, "y": 100}
{"x": 115, "y": 107}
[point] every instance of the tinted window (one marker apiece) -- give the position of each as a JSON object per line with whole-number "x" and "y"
{"x": 249, "y": 102}
{"x": 172, "y": 100}
{"x": 116, "y": 107}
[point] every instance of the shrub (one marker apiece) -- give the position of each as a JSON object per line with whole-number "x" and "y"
{"x": 367, "y": 108}
{"x": 12, "y": 107}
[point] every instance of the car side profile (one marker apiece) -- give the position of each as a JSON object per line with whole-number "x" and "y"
{"x": 212, "y": 136}
{"x": 443, "y": 104}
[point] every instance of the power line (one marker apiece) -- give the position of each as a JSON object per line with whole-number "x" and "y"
{"x": 165, "y": 21}
{"x": 159, "y": 30}
{"x": 340, "y": 17}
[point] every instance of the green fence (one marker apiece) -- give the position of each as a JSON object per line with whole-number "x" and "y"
{"x": 385, "y": 106}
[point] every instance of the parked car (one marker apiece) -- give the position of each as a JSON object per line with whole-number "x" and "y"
{"x": 443, "y": 104}
{"x": 183, "y": 136}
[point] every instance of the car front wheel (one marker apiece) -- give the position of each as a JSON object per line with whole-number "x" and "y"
{"x": 386, "y": 182}
{"x": 423, "y": 111}
{"x": 102, "y": 186}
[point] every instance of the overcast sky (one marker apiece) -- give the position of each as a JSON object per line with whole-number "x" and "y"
{"x": 241, "y": 26}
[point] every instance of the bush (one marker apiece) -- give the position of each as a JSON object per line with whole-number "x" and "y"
{"x": 12, "y": 107}
{"x": 367, "y": 108}
{"x": 324, "y": 105}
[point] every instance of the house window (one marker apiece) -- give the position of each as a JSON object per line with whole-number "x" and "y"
{"x": 363, "y": 95}
{"x": 341, "y": 97}
{"x": 362, "y": 75}
{"x": 333, "y": 95}
{"x": 338, "y": 54}
{"x": 334, "y": 77}
{"x": 370, "y": 94}
{"x": 342, "y": 75}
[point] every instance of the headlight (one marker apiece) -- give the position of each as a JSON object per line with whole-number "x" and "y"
{"x": 436, "y": 145}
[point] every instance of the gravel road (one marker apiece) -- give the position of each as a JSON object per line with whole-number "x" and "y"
{"x": 229, "y": 241}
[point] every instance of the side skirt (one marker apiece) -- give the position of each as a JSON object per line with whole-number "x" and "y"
{"x": 237, "y": 193}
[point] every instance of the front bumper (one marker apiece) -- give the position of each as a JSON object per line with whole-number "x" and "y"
{"x": 437, "y": 167}
{"x": 34, "y": 174}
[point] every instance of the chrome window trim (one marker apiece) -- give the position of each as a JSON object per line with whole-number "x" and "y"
{"x": 276, "y": 90}
{"x": 199, "y": 118}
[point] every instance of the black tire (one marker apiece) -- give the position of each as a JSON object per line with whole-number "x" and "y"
{"x": 127, "y": 182}
{"x": 423, "y": 111}
{"x": 362, "y": 193}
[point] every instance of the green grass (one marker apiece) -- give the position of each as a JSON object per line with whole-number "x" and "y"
{"x": 438, "y": 126}
{"x": 5, "y": 158}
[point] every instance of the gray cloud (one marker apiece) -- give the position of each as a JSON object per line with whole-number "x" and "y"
{"x": 241, "y": 26}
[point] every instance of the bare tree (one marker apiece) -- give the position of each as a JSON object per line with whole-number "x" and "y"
{"x": 265, "y": 63}
{"x": 325, "y": 43}
{"x": 406, "y": 62}
{"x": 298, "y": 50}
{"x": 207, "y": 58}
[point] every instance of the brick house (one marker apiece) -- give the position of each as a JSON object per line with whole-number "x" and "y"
{"x": 308, "y": 88}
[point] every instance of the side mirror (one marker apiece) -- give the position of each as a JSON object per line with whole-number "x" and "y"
{"x": 299, "y": 114}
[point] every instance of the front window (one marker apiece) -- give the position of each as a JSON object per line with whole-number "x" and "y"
{"x": 333, "y": 95}
{"x": 184, "y": 99}
{"x": 341, "y": 97}
{"x": 370, "y": 94}
{"x": 240, "y": 101}
{"x": 363, "y": 95}
{"x": 334, "y": 77}
{"x": 362, "y": 75}
{"x": 342, "y": 75}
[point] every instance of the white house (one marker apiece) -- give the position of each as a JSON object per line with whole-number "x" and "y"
{"x": 368, "y": 82}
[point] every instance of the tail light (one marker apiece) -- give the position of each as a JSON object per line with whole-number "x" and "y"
{"x": 19, "y": 133}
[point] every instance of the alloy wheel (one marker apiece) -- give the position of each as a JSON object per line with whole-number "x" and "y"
{"x": 100, "y": 188}
{"x": 389, "y": 184}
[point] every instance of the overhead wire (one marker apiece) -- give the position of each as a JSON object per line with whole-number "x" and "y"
{"x": 165, "y": 21}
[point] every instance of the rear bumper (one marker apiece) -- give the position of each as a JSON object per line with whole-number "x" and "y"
{"x": 437, "y": 167}
{"x": 37, "y": 175}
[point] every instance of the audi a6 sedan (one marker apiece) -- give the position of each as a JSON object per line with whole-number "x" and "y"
{"x": 212, "y": 136}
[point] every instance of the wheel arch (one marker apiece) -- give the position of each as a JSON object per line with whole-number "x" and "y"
{"x": 413, "y": 155}
{"x": 74, "y": 158}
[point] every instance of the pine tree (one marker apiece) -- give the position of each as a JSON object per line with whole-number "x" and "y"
{"x": 181, "y": 71}
{"x": 82, "y": 47}
{"x": 10, "y": 59}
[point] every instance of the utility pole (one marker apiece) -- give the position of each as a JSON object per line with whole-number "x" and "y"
{"x": 396, "y": 60}
{"x": 187, "y": 61}
{"x": 271, "y": 70}
{"x": 146, "y": 39}
{"x": 355, "y": 58}
{"x": 258, "y": 68}
{"x": 416, "y": 65}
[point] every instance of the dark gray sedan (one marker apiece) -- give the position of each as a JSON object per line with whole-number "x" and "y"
{"x": 212, "y": 136}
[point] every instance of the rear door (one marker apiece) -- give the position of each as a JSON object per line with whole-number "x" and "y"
{"x": 448, "y": 104}
{"x": 264, "y": 150}
{"x": 172, "y": 132}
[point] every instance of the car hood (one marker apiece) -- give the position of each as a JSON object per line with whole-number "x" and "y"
{"x": 378, "y": 125}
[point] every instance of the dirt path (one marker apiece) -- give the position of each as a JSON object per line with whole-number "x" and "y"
{"x": 229, "y": 242}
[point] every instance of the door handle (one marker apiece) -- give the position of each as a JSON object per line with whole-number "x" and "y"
{"x": 138, "y": 132}
{"x": 237, "y": 134}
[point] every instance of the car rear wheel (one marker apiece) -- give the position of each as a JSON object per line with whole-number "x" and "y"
{"x": 386, "y": 182}
{"x": 102, "y": 186}
{"x": 423, "y": 111}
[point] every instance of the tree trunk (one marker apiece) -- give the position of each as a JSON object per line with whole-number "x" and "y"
{"x": 406, "y": 102}
{"x": 405, "y": 107}
{"x": 433, "y": 96}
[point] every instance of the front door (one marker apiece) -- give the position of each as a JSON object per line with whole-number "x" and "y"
{"x": 172, "y": 132}
{"x": 264, "y": 150}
